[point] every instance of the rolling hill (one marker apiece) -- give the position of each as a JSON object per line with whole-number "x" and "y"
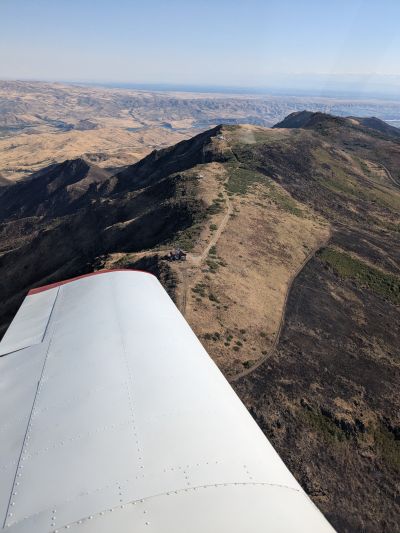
{"x": 45, "y": 123}
{"x": 292, "y": 280}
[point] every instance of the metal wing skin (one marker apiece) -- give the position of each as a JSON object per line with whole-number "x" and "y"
{"x": 113, "y": 418}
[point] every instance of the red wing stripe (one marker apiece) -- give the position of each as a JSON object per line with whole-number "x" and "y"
{"x": 64, "y": 282}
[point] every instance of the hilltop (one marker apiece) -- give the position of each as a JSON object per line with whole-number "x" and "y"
{"x": 292, "y": 280}
{"x": 325, "y": 122}
{"x": 45, "y": 123}
{"x": 54, "y": 190}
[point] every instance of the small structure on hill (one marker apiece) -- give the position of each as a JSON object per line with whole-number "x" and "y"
{"x": 177, "y": 255}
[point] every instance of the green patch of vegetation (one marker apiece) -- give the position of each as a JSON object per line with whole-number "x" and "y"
{"x": 212, "y": 265}
{"x": 345, "y": 266}
{"x": 187, "y": 238}
{"x": 213, "y": 227}
{"x": 323, "y": 425}
{"x": 388, "y": 447}
{"x": 364, "y": 167}
{"x": 199, "y": 289}
{"x": 383, "y": 198}
{"x": 213, "y": 250}
{"x": 240, "y": 178}
{"x": 335, "y": 177}
{"x": 239, "y": 343}
{"x": 284, "y": 201}
{"x": 338, "y": 180}
{"x": 279, "y": 197}
{"x": 236, "y": 348}
{"x": 248, "y": 364}
{"x": 215, "y": 207}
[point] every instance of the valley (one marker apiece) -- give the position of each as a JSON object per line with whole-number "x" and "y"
{"x": 45, "y": 123}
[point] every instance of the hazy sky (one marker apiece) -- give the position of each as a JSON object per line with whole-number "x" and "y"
{"x": 219, "y": 42}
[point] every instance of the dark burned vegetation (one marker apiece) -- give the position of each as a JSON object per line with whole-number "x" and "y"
{"x": 57, "y": 224}
{"x": 327, "y": 396}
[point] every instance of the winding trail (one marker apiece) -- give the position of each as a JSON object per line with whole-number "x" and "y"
{"x": 390, "y": 177}
{"x": 197, "y": 259}
{"x": 292, "y": 279}
{"x": 192, "y": 260}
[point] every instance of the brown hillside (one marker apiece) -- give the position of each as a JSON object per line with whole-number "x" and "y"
{"x": 292, "y": 281}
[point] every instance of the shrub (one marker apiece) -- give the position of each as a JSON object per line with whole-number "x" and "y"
{"x": 345, "y": 266}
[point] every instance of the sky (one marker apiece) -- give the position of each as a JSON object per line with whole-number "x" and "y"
{"x": 243, "y": 43}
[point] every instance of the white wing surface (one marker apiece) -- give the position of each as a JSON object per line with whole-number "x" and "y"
{"x": 114, "y": 419}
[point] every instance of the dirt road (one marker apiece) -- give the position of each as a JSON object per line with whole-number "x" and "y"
{"x": 199, "y": 258}
{"x": 195, "y": 260}
{"x": 389, "y": 175}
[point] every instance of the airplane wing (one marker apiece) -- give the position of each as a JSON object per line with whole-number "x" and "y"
{"x": 114, "y": 419}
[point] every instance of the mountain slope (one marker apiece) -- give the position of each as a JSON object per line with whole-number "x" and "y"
{"x": 57, "y": 223}
{"x": 377, "y": 124}
{"x": 4, "y": 181}
{"x": 317, "y": 120}
{"x": 53, "y": 191}
{"x": 327, "y": 395}
{"x": 292, "y": 281}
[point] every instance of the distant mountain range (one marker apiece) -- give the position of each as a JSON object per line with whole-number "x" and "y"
{"x": 43, "y": 123}
{"x": 292, "y": 279}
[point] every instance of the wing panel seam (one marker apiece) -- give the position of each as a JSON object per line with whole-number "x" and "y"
{"x": 8, "y": 514}
{"x": 171, "y": 492}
